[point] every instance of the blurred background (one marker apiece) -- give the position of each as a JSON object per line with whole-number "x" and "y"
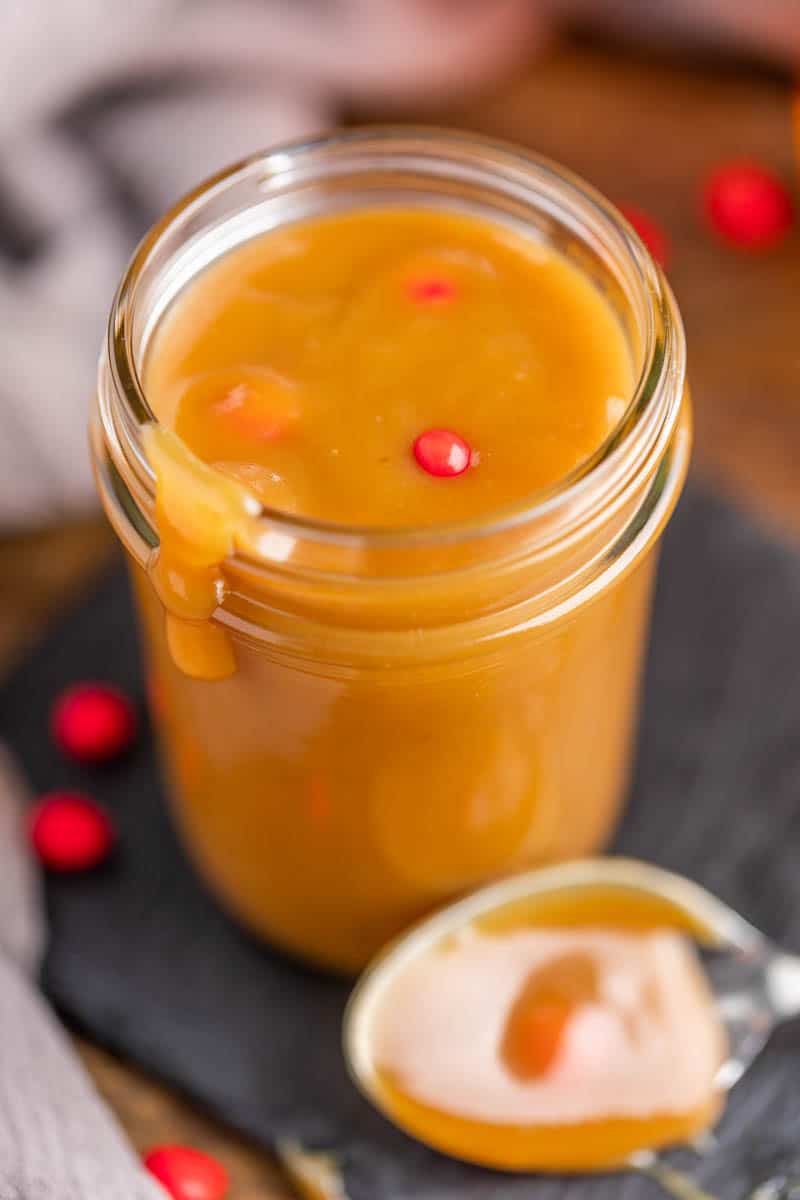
{"x": 106, "y": 120}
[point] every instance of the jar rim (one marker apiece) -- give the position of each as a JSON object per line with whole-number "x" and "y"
{"x": 650, "y": 415}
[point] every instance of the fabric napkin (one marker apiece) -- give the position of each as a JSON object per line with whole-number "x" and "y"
{"x": 57, "y": 1139}
{"x": 144, "y": 961}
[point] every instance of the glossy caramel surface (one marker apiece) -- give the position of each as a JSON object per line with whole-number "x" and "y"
{"x": 308, "y": 361}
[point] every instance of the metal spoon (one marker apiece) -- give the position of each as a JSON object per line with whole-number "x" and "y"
{"x": 756, "y": 985}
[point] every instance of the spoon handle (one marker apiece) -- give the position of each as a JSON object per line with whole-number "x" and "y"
{"x": 783, "y": 985}
{"x": 673, "y": 1182}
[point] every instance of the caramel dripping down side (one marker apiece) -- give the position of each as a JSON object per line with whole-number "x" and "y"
{"x": 203, "y": 516}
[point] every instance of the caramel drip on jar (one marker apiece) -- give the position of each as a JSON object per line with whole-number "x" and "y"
{"x": 202, "y": 517}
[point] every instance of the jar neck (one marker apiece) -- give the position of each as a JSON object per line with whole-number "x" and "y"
{"x": 551, "y": 550}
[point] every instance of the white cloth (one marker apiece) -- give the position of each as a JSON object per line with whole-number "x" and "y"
{"x": 58, "y": 1141}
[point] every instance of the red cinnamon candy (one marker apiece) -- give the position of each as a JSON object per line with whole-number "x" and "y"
{"x": 432, "y": 290}
{"x": 442, "y": 453}
{"x": 69, "y": 832}
{"x": 93, "y": 722}
{"x": 748, "y": 205}
{"x": 256, "y": 412}
{"x": 186, "y": 1173}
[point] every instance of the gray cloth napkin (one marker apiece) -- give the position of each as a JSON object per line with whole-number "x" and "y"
{"x": 58, "y": 1141}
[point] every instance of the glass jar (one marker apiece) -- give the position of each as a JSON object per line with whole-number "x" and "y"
{"x": 409, "y": 712}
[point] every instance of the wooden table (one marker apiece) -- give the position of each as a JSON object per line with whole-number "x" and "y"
{"x": 644, "y": 131}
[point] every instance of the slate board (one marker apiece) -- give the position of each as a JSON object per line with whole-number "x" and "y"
{"x": 144, "y": 962}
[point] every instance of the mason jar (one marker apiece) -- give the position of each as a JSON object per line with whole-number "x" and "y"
{"x": 404, "y": 714}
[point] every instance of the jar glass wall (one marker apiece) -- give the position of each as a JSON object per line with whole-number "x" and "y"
{"x": 410, "y": 712}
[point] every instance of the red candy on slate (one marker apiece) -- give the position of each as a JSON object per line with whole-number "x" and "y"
{"x": 69, "y": 832}
{"x": 93, "y": 722}
{"x": 651, "y": 234}
{"x": 187, "y": 1174}
{"x": 748, "y": 205}
{"x": 432, "y": 291}
{"x": 441, "y": 452}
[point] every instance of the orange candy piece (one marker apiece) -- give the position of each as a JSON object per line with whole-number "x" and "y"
{"x": 252, "y": 413}
{"x": 539, "y": 1017}
{"x": 221, "y": 413}
{"x": 537, "y": 1038}
{"x": 69, "y": 832}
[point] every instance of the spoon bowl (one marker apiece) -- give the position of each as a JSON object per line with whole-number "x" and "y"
{"x": 755, "y": 985}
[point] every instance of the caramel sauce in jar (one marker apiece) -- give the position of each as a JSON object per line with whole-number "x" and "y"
{"x": 408, "y": 467}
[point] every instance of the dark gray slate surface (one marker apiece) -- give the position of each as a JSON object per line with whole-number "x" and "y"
{"x": 144, "y": 961}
